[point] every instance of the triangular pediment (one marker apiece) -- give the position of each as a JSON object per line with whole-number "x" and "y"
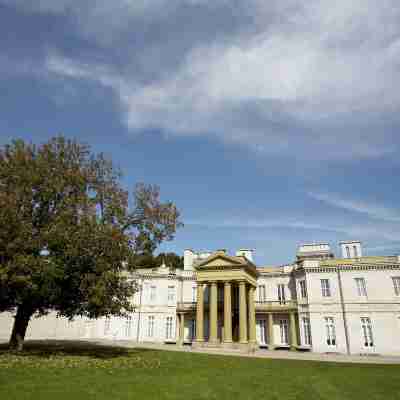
{"x": 220, "y": 260}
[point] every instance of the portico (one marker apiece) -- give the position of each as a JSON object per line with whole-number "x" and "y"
{"x": 230, "y": 283}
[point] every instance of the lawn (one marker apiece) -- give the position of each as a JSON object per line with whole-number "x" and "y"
{"x": 69, "y": 371}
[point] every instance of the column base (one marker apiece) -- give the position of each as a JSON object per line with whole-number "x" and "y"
{"x": 293, "y": 348}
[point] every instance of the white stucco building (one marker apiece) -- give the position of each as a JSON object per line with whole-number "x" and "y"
{"x": 318, "y": 303}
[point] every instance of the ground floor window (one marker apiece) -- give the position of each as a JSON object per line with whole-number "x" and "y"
{"x": 169, "y": 328}
{"x": 306, "y": 331}
{"x": 261, "y": 331}
{"x": 192, "y": 329}
{"x": 330, "y": 331}
{"x": 366, "y": 327}
{"x": 150, "y": 326}
{"x": 107, "y": 325}
{"x": 284, "y": 329}
{"x": 128, "y": 326}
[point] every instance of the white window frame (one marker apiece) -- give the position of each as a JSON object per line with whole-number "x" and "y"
{"x": 306, "y": 330}
{"x": 331, "y": 340}
{"x": 303, "y": 288}
{"x": 262, "y": 293}
{"x": 281, "y": 293}
{"x": 367, "y": 334}
{"x": 193, "y": 329}
{"x": 169, "y": 327}
{"x": 171, "y": 293}
{"x": 326, "y": 287}
{"x": 107, "y": 326}
{"x": 396, "y": 285}
{"x": 284, "y": 331}
{"x": 194, "y": 294}
{"x": 263, "y": 330}
{"x": 153, "y": 293}
{"x": 348, "y": 251}
{"x": 150, "y": 326}
{"x": 355, "y": 251}
{"x": 361, "y": 287}
{"x": 128, "y": 326}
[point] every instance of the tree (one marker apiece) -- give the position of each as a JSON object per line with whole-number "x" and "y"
{"x": 170, "y": 259}
{"x": 148, "y": 260}
{"x": 68, "y": 232}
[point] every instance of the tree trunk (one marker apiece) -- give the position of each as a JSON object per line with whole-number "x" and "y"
{"x": 21, "y": 321}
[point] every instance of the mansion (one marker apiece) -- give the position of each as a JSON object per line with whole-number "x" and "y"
{"x": 319, "y": 303}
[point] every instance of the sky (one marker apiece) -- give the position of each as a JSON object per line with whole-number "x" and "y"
{"x": 269, "y": 123}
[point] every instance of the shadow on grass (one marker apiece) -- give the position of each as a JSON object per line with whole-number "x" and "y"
{"x": 49, "y": 348}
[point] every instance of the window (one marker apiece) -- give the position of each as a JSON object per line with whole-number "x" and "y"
{"x": 150, "y": 326}
{"x": 361, "y": 287}
{"x": 262, "y": 329}
{"x": 171, "y": 294}
{"x": 306, "y": 331}
{"x": 169, "y": 327}
{"x": 152, "y": 293}
{"x": 326, "y": 288}
{"x": 348, "y": 251}
{"x": 128, "y": 326}
{"x": 284, "y": 329}
{"x": 261, "y": 293}
{"x": 107, "y": 326}
{"x": 355, "y": 251}
{"x": 366, "y": 327}
{"x": 396, "y": 285}
{"x": 281, "y": 293}
{"x": 194, "y": 294}
{"x": 303, "y": 289}
{"x": 330, "y": 331}
{"x": 192, "y": 329}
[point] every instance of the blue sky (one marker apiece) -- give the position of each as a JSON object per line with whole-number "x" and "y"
{"x": 269, "y": 124}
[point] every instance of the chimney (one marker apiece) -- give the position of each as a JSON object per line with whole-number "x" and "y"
{"x": 351, "y": 249}
{"x": 248, "y": 253}
{"x": 188, "y": 258}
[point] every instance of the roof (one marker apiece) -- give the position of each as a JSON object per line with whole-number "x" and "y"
{"x": 361, "y": 260}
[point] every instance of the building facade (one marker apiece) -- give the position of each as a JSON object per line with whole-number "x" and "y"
{"x": 319, "y": 303}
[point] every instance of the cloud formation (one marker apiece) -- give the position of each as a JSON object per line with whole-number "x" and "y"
{"x": 313, "y": 80}
{"x": 368, "y": 209}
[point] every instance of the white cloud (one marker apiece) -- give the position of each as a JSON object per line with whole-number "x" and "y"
{"x": 310, "y": 79}
{"x": 371, "y": 210}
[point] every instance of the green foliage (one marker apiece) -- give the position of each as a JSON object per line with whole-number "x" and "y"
{"x": 147, "y": 260}
{"x": 67, "y": 232}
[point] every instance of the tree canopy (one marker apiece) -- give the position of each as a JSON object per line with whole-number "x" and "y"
{"x": 148, "y": 260}
{"x": 69, "y": 231}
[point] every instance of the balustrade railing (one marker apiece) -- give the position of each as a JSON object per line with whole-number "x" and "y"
{"x": 276, "y": 305}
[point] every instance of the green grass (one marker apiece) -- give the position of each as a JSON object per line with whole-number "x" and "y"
{"x": 70, "y": 371}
